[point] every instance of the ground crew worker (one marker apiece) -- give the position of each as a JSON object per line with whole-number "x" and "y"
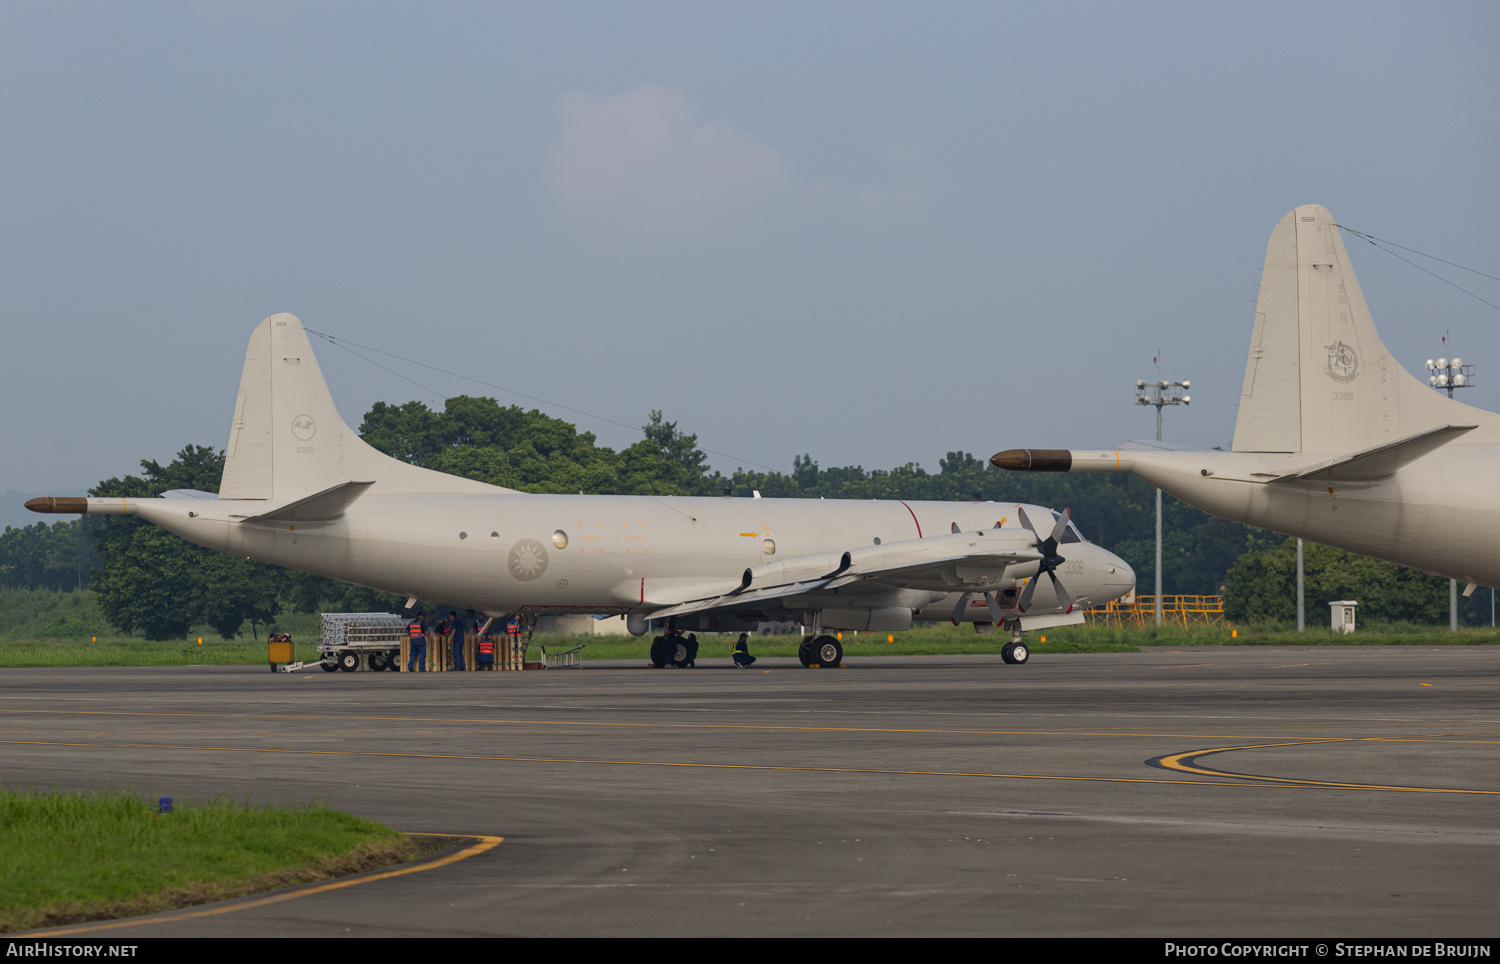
{"x": 742, "y": 658}
{"x": 456, "y": 629}
{"x": 513, "y": 630}
{"x": 416, "y": 632}
{"x": 486, "y": 653}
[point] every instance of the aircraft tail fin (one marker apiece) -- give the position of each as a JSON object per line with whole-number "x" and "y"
{"x": 1318, "y": 378}
{"x": 287, "y": 440}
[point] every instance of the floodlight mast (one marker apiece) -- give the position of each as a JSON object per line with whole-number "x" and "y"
{"x": 1160, "y": 393}
{"x": 1446, "y": 374}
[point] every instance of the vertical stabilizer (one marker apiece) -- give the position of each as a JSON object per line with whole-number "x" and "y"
{"x": 1318, "y": 378}
{"x": 287, "y": 440}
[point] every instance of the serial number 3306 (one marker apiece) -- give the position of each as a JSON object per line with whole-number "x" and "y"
{"x": 1343, "y": 396}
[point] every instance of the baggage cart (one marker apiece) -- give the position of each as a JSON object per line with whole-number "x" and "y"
{"x": 353, "y": 641}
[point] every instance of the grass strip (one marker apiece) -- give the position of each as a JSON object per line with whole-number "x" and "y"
{"x": 72, "y": 857}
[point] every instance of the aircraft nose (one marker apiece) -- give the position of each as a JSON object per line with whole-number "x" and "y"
{"x": 1118, "y": 576}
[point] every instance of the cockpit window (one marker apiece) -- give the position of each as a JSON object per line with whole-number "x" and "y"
{"x": 1071, "y": 533}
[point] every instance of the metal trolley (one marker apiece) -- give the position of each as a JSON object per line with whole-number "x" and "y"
{"x": 349, "y": 639}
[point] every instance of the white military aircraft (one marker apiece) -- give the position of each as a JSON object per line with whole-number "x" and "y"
{"x": 1335, "y": 441}
{"x": 302, "y": 490}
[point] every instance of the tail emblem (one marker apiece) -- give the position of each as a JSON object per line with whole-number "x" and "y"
{"x": 1343, "y": 363}
{"x": 304, "y": 427}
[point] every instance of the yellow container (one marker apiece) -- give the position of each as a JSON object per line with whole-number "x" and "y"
{"x": 280, "y": 652}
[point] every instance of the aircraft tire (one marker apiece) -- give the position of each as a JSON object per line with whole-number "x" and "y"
{"x": 827, "y": 652}
{"x": 348, "y": 661}
{"x": 658, "y": 652}
{"x": 804, "y": 652}
{"x": 685, "y": 655}
{"x": 1020, "y": 653}
{"x": 1005, "y": 654}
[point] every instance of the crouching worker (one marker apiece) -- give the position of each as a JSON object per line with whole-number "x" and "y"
{"x": 486, "y": 651}
{"x": 742, "y": 657}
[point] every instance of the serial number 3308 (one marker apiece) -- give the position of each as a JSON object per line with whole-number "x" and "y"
{"x": 1343, "y": 396}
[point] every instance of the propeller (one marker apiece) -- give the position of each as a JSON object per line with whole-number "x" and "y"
{"x": 990, "y": 600}
{"x": 1050, "y": 561}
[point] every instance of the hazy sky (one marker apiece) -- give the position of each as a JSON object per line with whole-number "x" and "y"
{"x": 875, "y": 233}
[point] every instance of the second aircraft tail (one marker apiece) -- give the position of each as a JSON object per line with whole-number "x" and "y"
{"x": 1318, "y": 378}
{"x": 287, "y": 440}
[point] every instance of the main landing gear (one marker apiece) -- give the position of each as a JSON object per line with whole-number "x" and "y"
{"x": 674, "y": 650}
{"x": 823, "y": 651}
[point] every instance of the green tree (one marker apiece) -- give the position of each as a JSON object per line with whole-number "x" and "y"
{"x": 1262, "y": 586}
{"x": 42, "y": 556}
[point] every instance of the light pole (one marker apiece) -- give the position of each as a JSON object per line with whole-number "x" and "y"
{"x": 1160, "y": 393}
{"x": 1446, "y": 374}
{"x": 1300, "y": 612}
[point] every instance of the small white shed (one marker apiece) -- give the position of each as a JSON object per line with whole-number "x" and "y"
{"x": 1343, "y": 615}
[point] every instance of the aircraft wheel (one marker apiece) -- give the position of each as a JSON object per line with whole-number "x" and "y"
{"x": 348, "y": 661}
{"x": 685, "y": 653}
{"x": 1019, "y": 653}
{"x": 804, "y": 652}
{"x": 1005, "y": 653}
{"x": 658, "y": 652}
{"x": 827, "y": 652}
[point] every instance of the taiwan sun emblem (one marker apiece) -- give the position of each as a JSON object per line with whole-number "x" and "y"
{"x": 1343, "y": 363}
{"x": 527, "y": 560}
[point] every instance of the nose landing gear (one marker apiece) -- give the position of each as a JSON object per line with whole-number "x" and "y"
{"x": 1016, "y": 651}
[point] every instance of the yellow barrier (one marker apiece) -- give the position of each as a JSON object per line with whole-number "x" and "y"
{"x": 1181, "y": 611}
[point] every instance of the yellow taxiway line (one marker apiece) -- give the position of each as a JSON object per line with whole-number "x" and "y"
{"x": 481, "y": 843}
{"x": 1187, "y": 763}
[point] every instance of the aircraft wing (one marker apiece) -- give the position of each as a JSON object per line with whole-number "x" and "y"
{"x": 960, "y": 562}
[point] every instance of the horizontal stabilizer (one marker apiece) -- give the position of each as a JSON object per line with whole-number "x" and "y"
{"x": 1380, "y": 461}
{"x": 188, "y": 494}
{"x": 318, "y": 507}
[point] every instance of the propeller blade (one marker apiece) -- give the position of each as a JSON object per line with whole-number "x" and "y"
{"x": 1060, "y": 527}
{"x": 1063, "y": 599}
{"x": 994, "y": 604}
{"x": 963, "y": 601}
{"x": 1026, "y": 524}
{"x": 1024, "y": 602}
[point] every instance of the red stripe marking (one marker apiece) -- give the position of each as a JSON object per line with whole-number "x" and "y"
{"x": 914, "y": 519}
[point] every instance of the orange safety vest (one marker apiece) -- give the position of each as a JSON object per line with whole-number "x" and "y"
{"x": 414, "y": 630}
